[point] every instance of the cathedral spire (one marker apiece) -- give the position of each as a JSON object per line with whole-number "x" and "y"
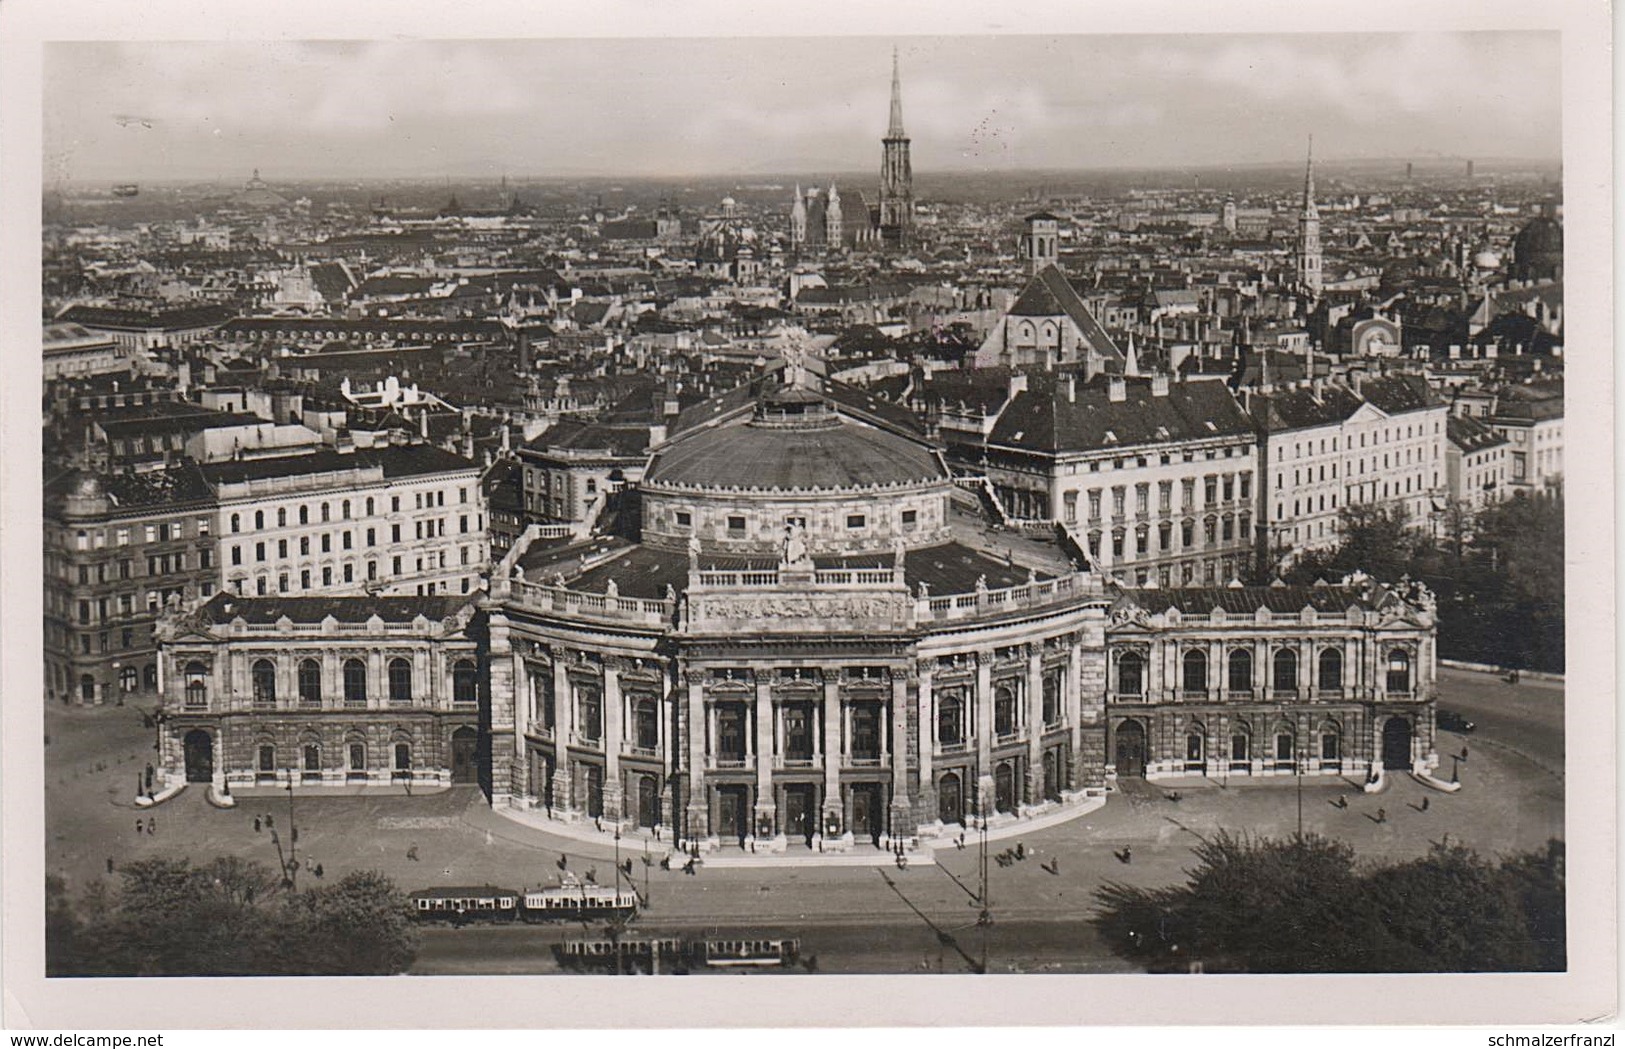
{"x": 1309, "y": 181}
{"x": 896, "y": 128}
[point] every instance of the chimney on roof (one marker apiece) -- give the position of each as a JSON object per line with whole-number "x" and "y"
{"x": 1072, "y": 389}
{"x": 423, "y": 424}
{"x": 657, "y": 436}
{"x": 1116, "y": 389}
{"x": 1018, "y": 383}
{"x": 1159, "y": 385}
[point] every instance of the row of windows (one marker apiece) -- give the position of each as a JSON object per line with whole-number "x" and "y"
{"x": 307, "y": 580}
{"x": 311, "y": 757}
{"x": 1131, "y": 667}
{"x": 1214, "y": 529}
{"x": 353, "y": 675}
{"x": 1164, "y": 458}
{"x": 158, "y": 532}
{"x": 1213, "y": 487}
{"x": 1388, "y": 436}
{"x": 422, "y": 500}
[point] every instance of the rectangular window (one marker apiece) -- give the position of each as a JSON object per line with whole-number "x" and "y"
{"x": 395, "y": 533}
{"x": 684, "y": 519}
{"x": 736, "y": 526}
{"x": 1118, "y": 496}
{"x": 1188, "y": 493}
{"x": 854, "y": 520}
{"x": 372, "y": 537}
{"x": 1247, "y": 484}
{"x": 910, "y": 519}
{"x": 327, "y": 542}
{"x": 123, "y": 537}
{"x": 259, "y": 551}
{"x": 1142, "y": 495}
{"x": 152, "y": 533}
{"x": 1165, "y": 496}
{"x": 236, "y": 555}
{"x": 1210, "y": 489}
{"x": 345, "y": 536}
{"x": 462, "y": 523}
{"x": 304, "y": 545}
{"x": 1094, "y": 504}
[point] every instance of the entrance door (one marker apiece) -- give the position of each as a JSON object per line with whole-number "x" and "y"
{"x": 1396, "y": 745}
{"x": 648, "y": 802}
{"x": 866, "y": 811}
{"x": 595, "y": 791}
{"x": 950, "y": 799}
{"x": 1131, "y": 749}
{"x": 465, "y": 751}
{"x": 801, "y": 812}
{"x": 199, "y": 747}
{"x": 733, "y": 816}
{"x": 1004, "y": 788}
{"x": 1052, "y": 776}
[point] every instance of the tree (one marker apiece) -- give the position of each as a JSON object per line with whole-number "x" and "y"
{"x": 227, "y": 918}
{"x": 1302, "y": 905}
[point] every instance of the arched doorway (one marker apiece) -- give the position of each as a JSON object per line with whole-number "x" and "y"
{"x": 465, "y": 749}
{"x": 1130, "y": 749}
{"x": 648, "y": 802}
{"x": 950, "y": 799}
{"x": 199, "y": 750}
{"x": 1052, "y": 776}
{"x": 1004, "y": 788}
{"x": 1396, "y": 745}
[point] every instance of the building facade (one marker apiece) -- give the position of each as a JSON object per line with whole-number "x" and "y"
{"x": 321, "y": 691}
{"x": 398, "y": 519}
{"x": 120, "y": 547}
{"x": 1262, "y": 681}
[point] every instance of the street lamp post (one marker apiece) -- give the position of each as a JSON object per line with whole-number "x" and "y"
{"x": 293, "y": 839}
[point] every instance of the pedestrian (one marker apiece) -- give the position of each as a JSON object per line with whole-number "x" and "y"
{"x": 592, "y": 875}
{"x": 318, "y": 870}
{"x": 1021, "y": 851}
{"x": 1382, "y": 815}
{"x": 1464, "y": 753}
{"x": 140, "y": 826}
{"x": 1342, "y": 801}
{"x": 152, "y": 826}
{"x": 110, "y": 865}
{"x": 149, "y": 777}
{"x": 1128, "y": 854}
{"x": 412, "y": 853}
{"x": 268, "y": 823}
{"x": 256, "y": 824}
{"x": 1425, "y": 804}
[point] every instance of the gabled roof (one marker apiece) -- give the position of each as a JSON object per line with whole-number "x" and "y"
{"x": 1299, "y": 408}
{"x": 1470, "y": 435}
{"x": 1042, "y": 418}
{"x": 1394, "y": 394}
{"x": 1050, "y": 294}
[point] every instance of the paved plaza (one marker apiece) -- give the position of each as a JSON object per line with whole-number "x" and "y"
{"x": 1511, "y": 799}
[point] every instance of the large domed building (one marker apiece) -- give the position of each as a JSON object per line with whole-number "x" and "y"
{"x": 1537, "y": 250}
{"x": 816, "y": 640}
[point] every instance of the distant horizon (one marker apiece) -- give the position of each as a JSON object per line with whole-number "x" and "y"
{"x": 1328, "y": 167}
{"x": 704, "y": 107}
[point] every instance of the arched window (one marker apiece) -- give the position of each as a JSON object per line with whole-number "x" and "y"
{"x": 355, "y": 683}
{"x": 310, "y": 683}
{"x": 1195, "y": 668}
{"x": 1285, "y": 746}
{"x": 400, "y": 682}
{"x": 326, "y": 512}
{"x": 1241, "y": 670}
{"x": 1286, "y": 670}
{"x": 1052, "y": 698}
{"x": 1331, "y": 745}
{"x": 464, "y": 682}
{"x": 259, "y": 519}
{"x": 304, "y": 515}
{"x": 1399, "y": 671}
{"x": 1131, "y": 674}
{"x": 403, "y": 757}
{"x": 1195, "y": 746}
{"x": 197, "y": 685}
{"x": 1004, "y": 711}
{"x": 236, "y": 522}
{"x": 951, "y": 720}
{"x": 312, "y": 753}
{"x": 1331, "y": 669}
{"x": 1241, "y": 747}
{"x": 369, "y": 506}
{"x": 344, "y": 509}
{"x": 282, "y": 517}
{"x": 264, "y": 683}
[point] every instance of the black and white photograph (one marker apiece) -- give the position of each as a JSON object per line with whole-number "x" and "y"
{"x": 919, "y": 502}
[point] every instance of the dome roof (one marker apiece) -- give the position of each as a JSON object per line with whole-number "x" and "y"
{"x": 1543, "y": 234}
{"x": 1487, "y": 260}
{"x": 834, "y": 454}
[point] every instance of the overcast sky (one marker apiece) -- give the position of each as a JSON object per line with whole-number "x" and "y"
{"x": 747, "y": 106}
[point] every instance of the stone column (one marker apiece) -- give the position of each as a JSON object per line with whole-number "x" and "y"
{"x": 1306, "y": 669}
{"x": 902, "y": 808}
{"x": 332, "y": 679}
{"x": 833, "y": 750}
{"x": 1076, "y": 705}
{"x": 523, "y": 701}
{"x": 564, "y": 714}
{"x": 984, "y": 732}
{"x": 699, "y": 824}
{"x": 926, "y": 802}
{"x": 1035, "y": 723}
{"x": 377, "y": 682}
{"x": 764, "y": 749}
{"x": 612, "y": 740}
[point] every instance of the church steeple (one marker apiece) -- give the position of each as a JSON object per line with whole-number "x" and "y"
{"x": 896, "y": 174}
{"x": 895, "y": 130}
{"x": 1310, "y": 279}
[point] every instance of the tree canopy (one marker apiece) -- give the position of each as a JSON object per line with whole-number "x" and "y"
{"x": 1303, "y": 905}
{"x": 169, "y": 917}
{"x": 1498, "y": 574}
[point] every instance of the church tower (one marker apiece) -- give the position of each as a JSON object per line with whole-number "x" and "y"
{"x": 834, "y": 227}
{"x": 896, "y": 177}
{"x": 798, "y": 221}
{"x": 1309, "y": 276}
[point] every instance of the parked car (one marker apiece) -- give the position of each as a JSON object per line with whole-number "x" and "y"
{"x": 1450, "y": 721}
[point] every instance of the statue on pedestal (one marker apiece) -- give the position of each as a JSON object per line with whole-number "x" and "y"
{"x": 795, "y": 547}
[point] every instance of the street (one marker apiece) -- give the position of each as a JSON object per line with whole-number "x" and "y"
{"x": 856, "y": 919}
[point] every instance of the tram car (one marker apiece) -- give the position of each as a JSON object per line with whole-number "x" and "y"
{"x": 745, "y": 954}
{"x": 623, "y": 955}
{"x": 578, "y": 903}
{"x": 460, "y": 906}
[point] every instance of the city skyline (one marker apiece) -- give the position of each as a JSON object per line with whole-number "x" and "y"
{"x": 639, "y": 108}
